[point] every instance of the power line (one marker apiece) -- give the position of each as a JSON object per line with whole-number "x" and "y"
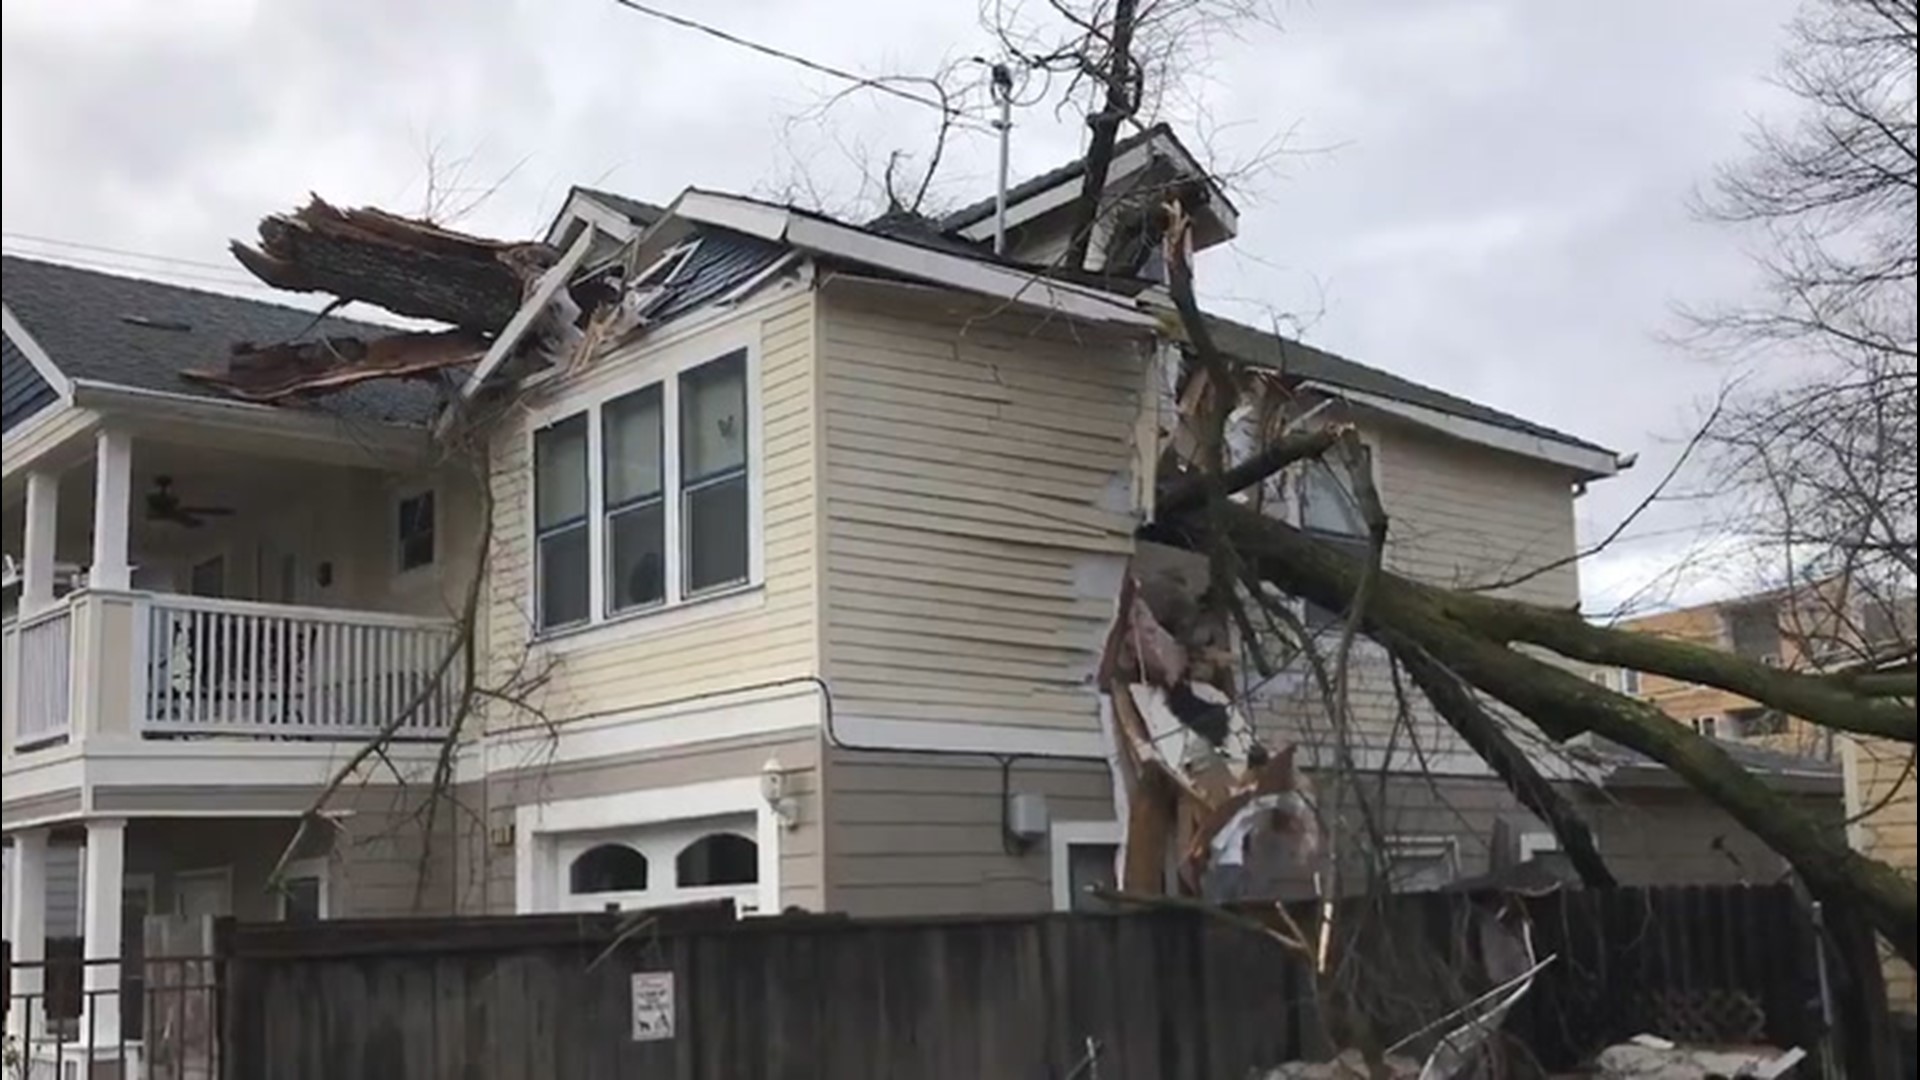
{"x": 792, "y": 58}
{"x": 76, "y": 245}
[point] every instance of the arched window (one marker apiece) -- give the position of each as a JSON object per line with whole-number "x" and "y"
{"x": 718, "y": 859}
{"x": 608, "y": 868}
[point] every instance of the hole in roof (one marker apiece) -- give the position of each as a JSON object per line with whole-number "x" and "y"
{"x": 151, "y": 323}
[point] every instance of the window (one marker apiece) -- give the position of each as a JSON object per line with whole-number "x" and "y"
{"x": 415, "y": 524}
{"x": 607, "y": 868}
{"x": 670, "y": 500}
{"x": 713, "y": 466}
{"x": 303, "y": 892}
{"x": 717, "y": 859}
{"x": 1421, "y": 863}
{"x": 1749, "y": 722}
{"x": 1602, "y": 677}
{"x": 1537, "y": 843}
{"x": 560, "y": 522}
{"x": 1708, "y": 726}
{"x": 1754, "y": 630}
{"x": 1089, "y": 867}
{"x": 1630, "y": 682}
{"x": 636, "y": 522}
{"x": 1330, "y": 513}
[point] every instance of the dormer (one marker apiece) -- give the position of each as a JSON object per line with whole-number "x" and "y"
{"x": 1146, "y": 168}
{"x": 616, "y": 217}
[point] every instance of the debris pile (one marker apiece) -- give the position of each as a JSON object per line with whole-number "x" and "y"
{"x": 1187, "y": 750}
{"x": 1649, "y": 1057}
{"x": 1350, "y": 1065}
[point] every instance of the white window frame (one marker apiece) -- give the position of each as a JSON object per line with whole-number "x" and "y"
{"x": 315, "y": 868}
{"x": 664, "y": 368}
{"x": 1537, "y": 842}
{"x": 1706, "y": 726}
{"x": 1417, "y": 845}
{"x": 396, "y": 519}
{"x": 657, "y": 822}
{"x": 1061, "y": 839}
{"x": 1630, "y": 682}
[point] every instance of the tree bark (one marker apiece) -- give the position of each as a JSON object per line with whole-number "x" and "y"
{"x": 1105, "y": 124}
{"x": 1484, "y": 734}
{"x": 1563, "y": 705}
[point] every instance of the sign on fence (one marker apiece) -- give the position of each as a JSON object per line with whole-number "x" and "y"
{"x": 652, "y": 1006}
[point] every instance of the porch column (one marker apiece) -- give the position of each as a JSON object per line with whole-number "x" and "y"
{"x": 27, "y": 932}
{"x": 36, "y": 567}
{"x": 103, "y": 880}
{"x": 112, "y": 500}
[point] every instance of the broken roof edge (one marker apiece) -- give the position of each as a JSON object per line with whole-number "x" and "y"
{"x": 105, "y": 397}
{"x": 823, "y": 235}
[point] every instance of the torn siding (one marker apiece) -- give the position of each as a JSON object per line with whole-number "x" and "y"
{"x": 980, "y": 505}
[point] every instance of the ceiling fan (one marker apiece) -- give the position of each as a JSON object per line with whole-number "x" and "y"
{"x": 164, "y": 505}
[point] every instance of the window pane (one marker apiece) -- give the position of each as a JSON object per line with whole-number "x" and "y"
{"x": 713, "y": 418}
{"x": 631, "y": 445}
{"x": 608, "y": 868}
{"x": 637, "y": 556}
{"x": 1326, "y": 501}
{"x": 560, "y": 472}
{"x": 1090, "y": 866}
{"x": 716, "y": 531}
{"x": 416, "y": 531}
{"x": 718, "y": 859}
{"x": 563, "y": 577}
{"x": 301, "y": 901}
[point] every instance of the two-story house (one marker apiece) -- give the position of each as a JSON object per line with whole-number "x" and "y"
{"x": 792, "y": 593}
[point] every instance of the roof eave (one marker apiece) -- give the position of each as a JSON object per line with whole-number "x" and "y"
{"x": 1586, "y": 462}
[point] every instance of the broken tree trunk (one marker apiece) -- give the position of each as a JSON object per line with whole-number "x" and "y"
{"x": 411, "y": 268}
{"x": 1563, "y": 704}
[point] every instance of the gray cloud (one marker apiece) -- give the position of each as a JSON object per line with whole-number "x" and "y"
{"x": 1501, "y": 213}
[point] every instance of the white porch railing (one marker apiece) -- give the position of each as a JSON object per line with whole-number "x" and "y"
{"x": 225, "y": 667}
{"x": 44, "y": 669}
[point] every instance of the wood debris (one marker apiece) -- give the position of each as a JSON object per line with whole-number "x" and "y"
{"x": 406, "y": 266}
{"x": 268, "y": 373}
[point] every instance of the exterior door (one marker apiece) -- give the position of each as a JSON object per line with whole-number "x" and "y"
{"x": 203, "y": 894}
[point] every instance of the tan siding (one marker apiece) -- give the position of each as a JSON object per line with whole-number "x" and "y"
{"x": 1880, "y": 784}
{"x": 920, "y": 835}
{"x": 1460, "y": 515}
{"x": 979, "y": 480}
{"x": 612, "y": 669}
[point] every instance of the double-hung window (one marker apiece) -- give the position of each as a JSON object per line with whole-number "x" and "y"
{"x": 670, "y": 516}
{"x": 560, "y": 498}
{"x": 713, "y": 473}
{"x": 634, "y": 491}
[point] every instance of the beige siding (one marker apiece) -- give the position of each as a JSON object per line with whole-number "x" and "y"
{"x": 1460, "y": 515}
{"x": 979, "y": 509}
{"x": 920, "y": 834}
{"x": 1880, "y": 786}
{"x": 685, "y": 653}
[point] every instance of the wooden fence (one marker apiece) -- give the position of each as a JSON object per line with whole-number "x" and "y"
{"x": 693, "y": 994}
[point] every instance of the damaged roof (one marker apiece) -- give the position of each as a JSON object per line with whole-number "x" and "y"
{"x": 1266, "y": 349}
{"x": 142, "y": 334}
{"x": 976, "y": 212}
{"x": 1630, "y": 767}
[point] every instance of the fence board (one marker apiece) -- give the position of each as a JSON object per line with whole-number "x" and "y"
{"x": 1166, "y": 996}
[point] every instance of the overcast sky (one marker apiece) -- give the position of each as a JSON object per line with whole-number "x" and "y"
{"x": 1489, "y": 197}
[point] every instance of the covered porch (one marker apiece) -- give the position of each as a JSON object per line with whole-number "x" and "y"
{"x": 169, "y": 585}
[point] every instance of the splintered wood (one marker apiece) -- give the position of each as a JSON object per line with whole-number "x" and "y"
{"x": 274, "y": 372}
{"x": 408, "y": 267}
{"x": 1198, "y": 781}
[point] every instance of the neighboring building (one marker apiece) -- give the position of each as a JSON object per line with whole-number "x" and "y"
{"x": 1817, "y": 627}
{"x": 798, "y": 585}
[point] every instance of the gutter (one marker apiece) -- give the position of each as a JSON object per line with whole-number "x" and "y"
{"x": 372, "y": 435}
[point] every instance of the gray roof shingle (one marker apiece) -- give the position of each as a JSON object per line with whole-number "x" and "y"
{"x": 978, "y": 211}
{"x": 141, "y": 334}
{"x": 1266, "y": 349}
{"x": 23, "y": 390}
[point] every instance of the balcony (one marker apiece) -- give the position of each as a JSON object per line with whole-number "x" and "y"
{"x": 158, "y": 666}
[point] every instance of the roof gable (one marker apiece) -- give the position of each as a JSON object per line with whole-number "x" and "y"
{"x": 23, "y": 390}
